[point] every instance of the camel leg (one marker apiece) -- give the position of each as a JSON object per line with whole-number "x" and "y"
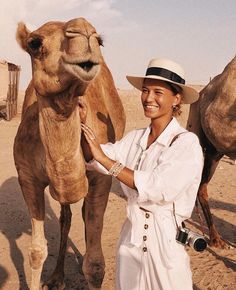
{"x": 34, "y": 196}
{"x": 56, "y": 281}
{"x": 210, "y": 163}
{"x": 37, "y": 252}
{"x": 93, "y": 212}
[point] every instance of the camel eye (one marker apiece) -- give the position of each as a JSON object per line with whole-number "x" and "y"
{"x": 100, "y": 40}
{"x": 35, "y": 43}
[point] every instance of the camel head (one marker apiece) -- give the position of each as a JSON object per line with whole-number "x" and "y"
{"x": 64, "y": 55}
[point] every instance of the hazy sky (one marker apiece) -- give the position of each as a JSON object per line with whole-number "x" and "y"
{"x": 199, "y": 34}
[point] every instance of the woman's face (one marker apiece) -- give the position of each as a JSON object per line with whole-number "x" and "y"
{"x": 158, "y": 99}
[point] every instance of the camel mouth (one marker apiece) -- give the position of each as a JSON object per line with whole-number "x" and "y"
{"x": 87, "y": 65}
{"x": 85, "y": 70}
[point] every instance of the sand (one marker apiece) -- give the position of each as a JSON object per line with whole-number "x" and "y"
{"x": 213, "y": 269}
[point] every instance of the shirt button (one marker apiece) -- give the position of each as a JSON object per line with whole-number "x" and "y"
{"x": 144, "y": 238}
{"x": 145, "y": 249}
{"x": 147, "y": 215}
{"x": 145, "y": 226}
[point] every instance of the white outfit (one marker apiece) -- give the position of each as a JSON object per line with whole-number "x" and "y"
{"x": 148, "y": 256}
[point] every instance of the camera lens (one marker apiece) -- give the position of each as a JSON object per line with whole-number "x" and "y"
{"x": 199, "y": 244}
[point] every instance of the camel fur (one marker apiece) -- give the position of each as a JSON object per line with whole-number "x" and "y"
{"x": 66, "y": 64}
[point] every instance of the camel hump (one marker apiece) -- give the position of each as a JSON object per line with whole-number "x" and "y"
{"x": 217, "y": 109}
{"x": 221, "y": 85}
{"x": 231, "y": 65}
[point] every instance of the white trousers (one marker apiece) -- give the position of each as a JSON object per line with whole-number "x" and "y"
{"x": 142, "y": 268}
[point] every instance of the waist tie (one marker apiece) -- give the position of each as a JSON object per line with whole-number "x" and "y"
{"x": 144, "y": 209}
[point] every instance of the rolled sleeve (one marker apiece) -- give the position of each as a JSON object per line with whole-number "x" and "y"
{"x": 179, "y": 167}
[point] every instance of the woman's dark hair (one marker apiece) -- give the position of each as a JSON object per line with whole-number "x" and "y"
{"x": 176, "y": 90}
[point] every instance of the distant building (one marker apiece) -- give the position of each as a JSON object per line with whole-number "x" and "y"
{"x": 9, "y": 87}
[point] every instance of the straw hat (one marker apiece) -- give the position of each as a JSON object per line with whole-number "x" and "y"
{"x": 169, "y": 71}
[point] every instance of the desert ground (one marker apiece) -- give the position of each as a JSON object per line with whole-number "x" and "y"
{"x": 213, "y": 269}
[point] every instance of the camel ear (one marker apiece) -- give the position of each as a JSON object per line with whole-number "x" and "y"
{"x": 22, "y": 34}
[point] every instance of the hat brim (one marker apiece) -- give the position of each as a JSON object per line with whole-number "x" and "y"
{"x": 189, "y": 95}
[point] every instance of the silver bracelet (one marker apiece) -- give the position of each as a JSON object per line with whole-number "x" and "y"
{"x": 116, "y": 169}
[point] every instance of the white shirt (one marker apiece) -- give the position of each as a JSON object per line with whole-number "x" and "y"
{"x": 163, "y": 175}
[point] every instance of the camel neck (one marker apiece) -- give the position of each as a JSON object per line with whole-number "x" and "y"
{"x": 59, "y": 126}
{"x": 59, "y": 123}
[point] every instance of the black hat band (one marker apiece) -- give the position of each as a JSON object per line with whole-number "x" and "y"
{"x": 165, "y": 73}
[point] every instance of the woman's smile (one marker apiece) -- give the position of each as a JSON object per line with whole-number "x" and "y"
{"x": 150, "y": 107}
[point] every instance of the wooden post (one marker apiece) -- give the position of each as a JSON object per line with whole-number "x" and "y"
{"x": 17, "y": 88}
{"x": 8, "y": 100}
{"x": 12, "y": 94}
{"x": 9, "y": 87}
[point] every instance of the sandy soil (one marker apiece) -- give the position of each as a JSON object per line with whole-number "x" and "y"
{"x": 213, "y": 269}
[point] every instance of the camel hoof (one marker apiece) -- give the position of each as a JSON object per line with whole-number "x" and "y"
{"x": 219, "y": 243}
{"x": 216, "y": 239}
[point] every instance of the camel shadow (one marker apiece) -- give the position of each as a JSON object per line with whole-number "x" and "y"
{"x": 13, "y": 224}
{"x": 15, "y": 221}
{"x": 223, "y": 205}
{"x": 229, "y": 263}
{"x": 226, "y": 230}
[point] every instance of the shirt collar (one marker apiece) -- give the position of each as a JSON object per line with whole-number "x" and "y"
{"x": 143, "y": 140}
{"x": 172, "y": 129}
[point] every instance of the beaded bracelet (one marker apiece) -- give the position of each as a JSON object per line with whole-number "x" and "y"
{"x": 116, "y": 169}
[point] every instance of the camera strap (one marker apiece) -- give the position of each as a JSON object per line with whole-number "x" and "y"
{"x": 177, "y": 226}
{"x": 176, "y": 136}
{"x": 183, "y": 224}
{"x": 172, "y": 141}
{"x": 196, "y": 204}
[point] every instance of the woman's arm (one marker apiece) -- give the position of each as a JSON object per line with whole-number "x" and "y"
{"x": 92, "y": 149}
{"x": 126, "y": 175}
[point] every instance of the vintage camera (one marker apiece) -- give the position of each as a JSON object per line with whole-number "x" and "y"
{"x": 186, "y": 237}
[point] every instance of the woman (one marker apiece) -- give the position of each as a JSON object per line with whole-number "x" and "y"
{"x": 159, "y": 168}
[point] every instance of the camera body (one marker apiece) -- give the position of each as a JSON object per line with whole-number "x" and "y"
{"x": 187, "y": 237}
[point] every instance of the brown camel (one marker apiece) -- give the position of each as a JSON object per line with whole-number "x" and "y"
{"x": 213, "y": 119}
{"x": 66, "y": 63}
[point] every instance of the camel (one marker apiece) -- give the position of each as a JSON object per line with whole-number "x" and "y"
{"x": 67, "y": 64}
{"x": 213, "y": 119}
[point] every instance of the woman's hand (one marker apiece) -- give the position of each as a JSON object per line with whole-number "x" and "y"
{"x": 126, "y": 175}
{"x": 91, "y": 148}
{"x": 95, "y": 147}
{"x": 83, "y": 109}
